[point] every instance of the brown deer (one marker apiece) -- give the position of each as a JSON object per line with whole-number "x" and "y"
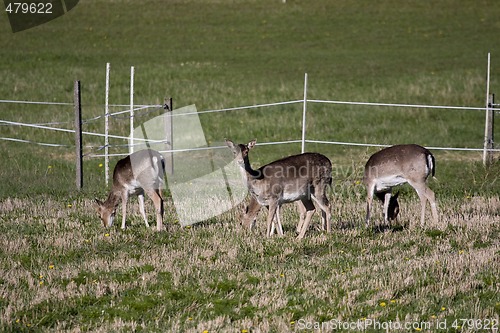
{"x": 397, "y": 165}
{"x": 139, "y": 173}
{"x": 301, "y": 177}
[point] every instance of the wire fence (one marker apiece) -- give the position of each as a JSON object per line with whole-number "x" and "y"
{"x": 133, "y": 112}
{"x": 145, "y": 110}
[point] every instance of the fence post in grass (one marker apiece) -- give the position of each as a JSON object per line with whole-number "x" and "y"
{"x": 488, "y": 131}
{"x": 78, "y": 135}
{"x": 488, "y": 127}
{"x": 169, "y": 137}
{"x": 304, "y": 110}
{"x": 131, "y": 139}
{"x": 106, "y": 128}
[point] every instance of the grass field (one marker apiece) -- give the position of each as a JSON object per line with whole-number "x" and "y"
{"x": 61, "y": 271}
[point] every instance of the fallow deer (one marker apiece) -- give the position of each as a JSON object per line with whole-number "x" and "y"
{"x": 139, "y": 173}
{"x": 301, "y": 177}
{"x": 397, "y": 165}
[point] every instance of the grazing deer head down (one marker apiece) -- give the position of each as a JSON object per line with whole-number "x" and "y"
{"x": 301, "y": 178}
{"x": 396, "y": 165}
{"x": 139, "y": 173}
{"x": 393, "y": 204}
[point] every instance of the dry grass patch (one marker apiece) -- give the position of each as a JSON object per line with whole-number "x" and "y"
{"x": 60, "y": 270}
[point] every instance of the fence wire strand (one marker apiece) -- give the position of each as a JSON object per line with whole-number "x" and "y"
{"x": 154, "y": 108}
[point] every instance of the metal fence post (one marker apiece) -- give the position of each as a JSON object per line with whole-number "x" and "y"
{"x": 169, "y": 137}
{"x": 488, "y": 131}
{"x": 78, "y": 135}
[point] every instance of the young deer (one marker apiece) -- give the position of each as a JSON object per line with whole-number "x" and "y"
{"x": 397, "y": 165}
{"x": 139, "y": 173}
{"x": 301, "y": 177}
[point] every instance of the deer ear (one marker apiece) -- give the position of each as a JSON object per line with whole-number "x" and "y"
{"x": 98, "y": 202}
{"x": 229, "y": 143}
{"x": 252, "y": 143}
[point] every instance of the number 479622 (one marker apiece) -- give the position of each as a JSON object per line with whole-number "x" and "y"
{"x": 29, "y": 8}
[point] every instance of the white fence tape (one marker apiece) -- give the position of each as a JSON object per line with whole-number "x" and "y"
{"x": 142, "y": 107}
{"x": 383, "y": 146}
{"x": 33, "y": 142}
{"x": 418, "y": 106}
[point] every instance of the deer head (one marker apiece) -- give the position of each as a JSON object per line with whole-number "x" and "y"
{"x": 106, "y": 214}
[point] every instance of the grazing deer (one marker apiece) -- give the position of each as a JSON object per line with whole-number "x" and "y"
{"x": 397, "y": 165}
{"x": 139, "y": 173}
{"x": 301, "y": 177}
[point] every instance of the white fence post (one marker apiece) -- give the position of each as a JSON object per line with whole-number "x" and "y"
{"x": 106, "y": 127}
{"x": 304, "y": 110}
{"x": 78, "y": 135}
{"x": 489, "y": 143}
{"x": 489, "y": 113}
{"x": 131, "y": 140}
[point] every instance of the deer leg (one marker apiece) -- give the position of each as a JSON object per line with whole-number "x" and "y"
{"x": 278, "y": 221}
{"x": 159, "y": 211}
{"x": 309, "y": 207}
{"x": 432, "y": 200}
{"x": 369, "y": 200}
{"x": 302, "y": 214}
{"x": 324, "y": 205}
{"x": 273, "y": 207}
{"x": 251, "y": 212}
{"x": 425, "y": 193}
{"x": 421, "y": 191}
{"x": 387, "y": 200}
{"x": 124, "y": 208}
{"x": 158, "y": 203}
{"x": 140, "y": 197}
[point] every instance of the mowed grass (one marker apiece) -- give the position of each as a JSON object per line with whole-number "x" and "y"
{"x": 60, "y": 270}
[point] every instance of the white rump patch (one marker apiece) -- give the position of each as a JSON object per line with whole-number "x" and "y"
{"x": 387, "y": 182}
{"x": 291, "y": 196}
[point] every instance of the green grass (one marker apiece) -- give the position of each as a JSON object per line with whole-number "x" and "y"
{"x": 224, "y": 53}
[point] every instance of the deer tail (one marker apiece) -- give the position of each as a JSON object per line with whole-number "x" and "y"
{"x": 431, "y": 164}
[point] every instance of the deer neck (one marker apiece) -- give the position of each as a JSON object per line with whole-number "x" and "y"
{"x": 113, "y": 199}
{"x": 250, "y": 174}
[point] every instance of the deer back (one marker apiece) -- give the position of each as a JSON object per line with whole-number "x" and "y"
{"x": 410, "y": 161}
{"x": 142, "y": 169}
{"x": 292, "y": 177}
